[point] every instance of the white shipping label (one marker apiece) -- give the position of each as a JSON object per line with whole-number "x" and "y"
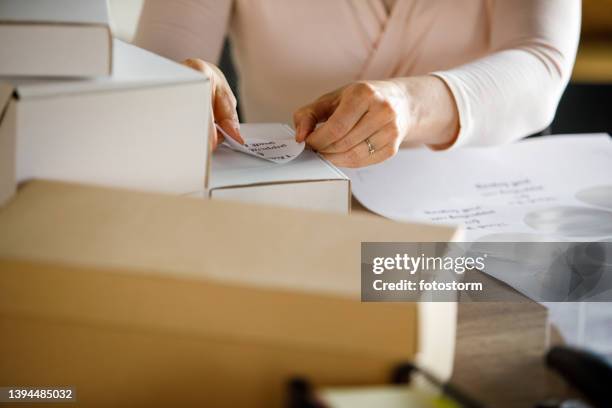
{"x": 278, "y": 147}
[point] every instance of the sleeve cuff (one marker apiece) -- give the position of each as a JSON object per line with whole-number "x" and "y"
{"x": 466, "y": 122}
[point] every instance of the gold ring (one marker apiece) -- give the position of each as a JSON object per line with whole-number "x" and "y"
{"x": 371, "y": 148}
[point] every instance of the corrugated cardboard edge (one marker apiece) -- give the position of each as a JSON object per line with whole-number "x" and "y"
{"x": 7, "y": 145}
{"x": 72, "y": 24}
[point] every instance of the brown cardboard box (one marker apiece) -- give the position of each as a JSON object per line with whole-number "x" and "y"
{"x": 140, "y": 299}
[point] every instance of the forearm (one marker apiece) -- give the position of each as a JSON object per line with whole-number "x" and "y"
{"x": 185, "y": 29}
{"x": 434, "y": 119}
{"x": 514, "y": 91}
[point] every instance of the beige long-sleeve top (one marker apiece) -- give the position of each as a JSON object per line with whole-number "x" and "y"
{"x": 506, "y": 62}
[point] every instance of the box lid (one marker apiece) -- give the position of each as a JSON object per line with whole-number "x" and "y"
{"x": 133, "y": 67}
{"x": 234, "y": 169}
{"x": 56, "y": 11}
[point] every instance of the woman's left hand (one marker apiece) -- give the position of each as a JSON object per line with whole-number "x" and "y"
{"x": 365, "y": 122}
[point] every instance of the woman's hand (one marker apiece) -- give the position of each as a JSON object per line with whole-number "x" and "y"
{"x": 223, "y": 102}
{"x": 365, "y": 122}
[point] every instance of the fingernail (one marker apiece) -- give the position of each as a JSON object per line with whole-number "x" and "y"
{"x": 236, "y": 127}
{"x": 299, "y": 135}
{"x": 214, "y": 141}
{"x": 235, "y": 130}
{"x": 231, "y": 128}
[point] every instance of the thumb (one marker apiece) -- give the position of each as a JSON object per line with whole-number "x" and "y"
{"x": 223, "y": 101}
{"x": 307, "y": 117}
{"x": 305, "y": 122}
{"x": 224, "y": 111}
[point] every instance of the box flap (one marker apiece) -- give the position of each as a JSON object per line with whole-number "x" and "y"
{"x": 133, "y": 67}
{"x": 57, "y": 11}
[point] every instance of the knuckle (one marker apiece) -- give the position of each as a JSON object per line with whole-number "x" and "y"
{"x": 197, "y": 64}
{"x": 391, "y": 150}
{"x": 211, "y": 74}
{"x": 342, "y": 145}
{"x": 192, "y": 61}
{"x": 346, "y": 143}
{"x": 232, "y": 99}
{"x": 296, "y": 117}
{"x": 212, "y": 68}
{"x": 298, "y": 114}
{"x": 364, "y": 90}
{"x": 394, "y": 129}
{"x": 325, "y": 98}
{"x": 337, "y": 129}
{"x": 301, "y": 113}
{"x": 386, "y": 107}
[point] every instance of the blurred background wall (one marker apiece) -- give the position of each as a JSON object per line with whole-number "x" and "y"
{"x": 585, "y": 106}
{"x": 124, "y": 17}
{"x": 594, "y": 61}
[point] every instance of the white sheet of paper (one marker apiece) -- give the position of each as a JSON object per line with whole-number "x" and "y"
{"x": 547, "y": 188}
{"x": 269, "y": 141}
{"x": 554, "y": 188}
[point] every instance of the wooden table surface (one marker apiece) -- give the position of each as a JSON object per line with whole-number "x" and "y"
{"x": 500, "y": 348}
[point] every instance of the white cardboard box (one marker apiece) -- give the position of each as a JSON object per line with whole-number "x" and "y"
{"x": 145, "y": 127}
{"x": 69, "y": 38}
{"x": 307, "y": 182}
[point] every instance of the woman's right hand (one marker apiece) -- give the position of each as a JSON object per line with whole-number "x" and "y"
{"x": 223, "y": 102}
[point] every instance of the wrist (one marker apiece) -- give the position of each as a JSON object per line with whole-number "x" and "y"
{"x": 434, "y": 118}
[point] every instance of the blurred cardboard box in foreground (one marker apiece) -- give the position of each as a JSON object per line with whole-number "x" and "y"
{"x": 143, "y": 299}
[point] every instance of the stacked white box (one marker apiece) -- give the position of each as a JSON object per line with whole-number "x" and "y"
{"x": 59, "y": 38}
{"x": 145, "y": 127}
{"x": 307, "y": 182}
